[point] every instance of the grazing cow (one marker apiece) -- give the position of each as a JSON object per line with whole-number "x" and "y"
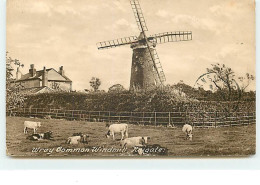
{"x": 31, "y": 124}
{"x": 118, "y": 128}
{"x": 134, "y": 141}
{"x": 187, "y": 129}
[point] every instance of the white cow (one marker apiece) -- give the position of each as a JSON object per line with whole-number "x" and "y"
{"x": 74, "y": 140}
{"x": 31, "y": 124}
{"x": 118, "y": 128}
{"x": 134, "y": 141}
{"x": 187, "y": 129}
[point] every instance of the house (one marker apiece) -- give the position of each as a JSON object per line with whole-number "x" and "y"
{"x": 46, "y": 80}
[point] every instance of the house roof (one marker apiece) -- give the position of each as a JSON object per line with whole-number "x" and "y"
{"x": 39, "y": 74}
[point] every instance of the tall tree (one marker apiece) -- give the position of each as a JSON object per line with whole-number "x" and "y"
{"x": 223, "y": 81}
{"x": 95, "y": 83}
{"x": 14, "y": 97}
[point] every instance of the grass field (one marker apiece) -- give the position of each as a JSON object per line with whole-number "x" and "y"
{"x": 228, "y": 141}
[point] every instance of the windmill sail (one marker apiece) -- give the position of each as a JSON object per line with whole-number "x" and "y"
{"x": 138, "y": 15}
{"x": 171, "y": 37}
{"x": 116, "y": 42}
{"x": 157, "y": 67}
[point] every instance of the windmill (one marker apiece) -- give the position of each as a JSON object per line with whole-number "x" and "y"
{"x": 146, "y": 70}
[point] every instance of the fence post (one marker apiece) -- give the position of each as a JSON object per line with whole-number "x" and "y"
{"x": 230, "y": 123}
{"x": 143, "y": 118}
{"x": 169, "y": 118}
{"x": 237, "y": 120}
{"x": 155, "y": 118}
{"x": 216, "y": 114}
{"x": 248, "y": 117}
{"x": 186, "y": 117}
{"x": 203, "y": 121}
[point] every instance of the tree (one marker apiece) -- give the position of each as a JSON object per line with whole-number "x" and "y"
{"x": 95, "y": 83}
{"x": 14, "y": 97}
{"x": 223, "y": 82}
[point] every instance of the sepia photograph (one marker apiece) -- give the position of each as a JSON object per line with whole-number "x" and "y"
{"x": 130, "y": 78}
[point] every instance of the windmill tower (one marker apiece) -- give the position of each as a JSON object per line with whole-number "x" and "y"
{"x": 146, "y": 68}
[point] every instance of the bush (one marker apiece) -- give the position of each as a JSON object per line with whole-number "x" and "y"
{"x": 157, "y": 100}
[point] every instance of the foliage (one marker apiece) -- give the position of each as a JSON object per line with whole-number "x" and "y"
{"x": 159, "y": 100}
{"x": 14, "y": 97}
{"x": 153, "y": 100}
{"x": 223, "y": 82}
{"x": 95, "y": 83}
{"x": 207, "y": 95}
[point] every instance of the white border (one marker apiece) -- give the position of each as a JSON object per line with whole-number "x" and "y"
{"x": 153, "y": 164}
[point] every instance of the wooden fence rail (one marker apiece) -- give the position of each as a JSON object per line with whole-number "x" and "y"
{"x": 197, "y": 119}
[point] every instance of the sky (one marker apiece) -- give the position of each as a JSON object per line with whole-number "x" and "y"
{"x": 56, "y": 33}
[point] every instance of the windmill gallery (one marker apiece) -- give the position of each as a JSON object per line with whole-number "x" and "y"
{"x": 146, "y": 70}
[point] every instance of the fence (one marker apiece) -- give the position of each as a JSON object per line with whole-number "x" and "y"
{"x": 197, "y": 119}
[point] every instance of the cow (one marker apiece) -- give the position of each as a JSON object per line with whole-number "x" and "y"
{"x": 47, "y": 135}
{"x": 134, "y": 141}
{"x": 187, "y": 129}
{"x": 83, "y": 137}
{"x": 76, "y": 139}
{"x": 31, "y": 124}
{"x": 118, "y": 128}
{"x": 36, "y": 137}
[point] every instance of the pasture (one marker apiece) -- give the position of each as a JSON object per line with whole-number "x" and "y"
{"x": 213, "y": 142}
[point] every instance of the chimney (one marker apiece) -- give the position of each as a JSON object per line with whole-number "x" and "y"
{"x": 61, "y": 71}
{"x": 32, "y": 71}
{"x": 44, "y": 77}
